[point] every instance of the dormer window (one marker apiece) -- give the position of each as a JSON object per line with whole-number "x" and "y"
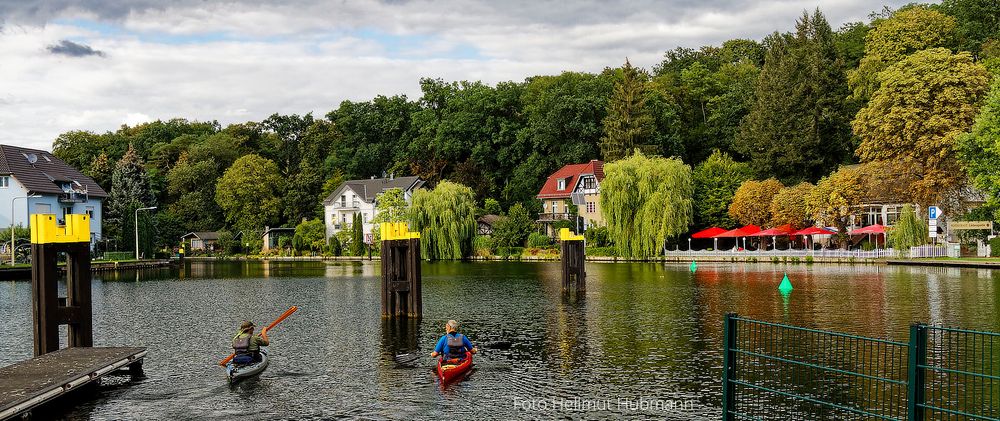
{"x": 561, "y": 184}
{"x": 588, "y": 183}
{"x": 4, "y": 181}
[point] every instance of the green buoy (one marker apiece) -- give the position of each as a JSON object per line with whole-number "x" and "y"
{"x": 694, "y": 266}
{"x": 786, "y": 285}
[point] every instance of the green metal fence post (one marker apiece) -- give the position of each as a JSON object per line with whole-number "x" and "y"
{"x": 915, "y": 379}
{"x": 729, "y": 367}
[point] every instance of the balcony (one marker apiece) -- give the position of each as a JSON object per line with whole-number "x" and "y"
{"x": 346, "y": 205}
{"x": 73, "y": 197}
{"x": 552, "y": 217}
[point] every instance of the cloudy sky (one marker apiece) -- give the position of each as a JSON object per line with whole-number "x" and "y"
{"x": 97, "y": 64}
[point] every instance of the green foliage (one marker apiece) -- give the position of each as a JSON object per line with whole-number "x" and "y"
{"x": 628, "y": 123}
{"x": 601, "y": 251}
{"x": 644, "y": 200}
{"x": 752, "y": 202}
{"x": 715, "y": 182}
{"x": 909, "y": 231}
{"x": 118, "y": 255}
{"x": 995, "y": 247}
{"x": 513, "y": 229}
{"x": 922, "y": 104}
{"x": 597, "y": 237}
{"x": 390, "y": 206}
{"x": 978, "y": 23}
{"x": 334, "y": 247}
{"x": 537, "y": 239}
{"x": 446, "y": 219}
{"x": 482, "y": 245}
{"x": 227, "y": 243}
{"x": 979, "y": 149}
{"x": 357, "y": 236}
{"x": 491, "y": 206}
{"x": 311, "y": 234}
{"x": 798, "y": 128}
{"x": 130, "y": 190}
{"x": 344, "y": 239}
{"x": 249, "y": 193}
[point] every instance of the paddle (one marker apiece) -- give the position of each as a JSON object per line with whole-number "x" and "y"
{"x": 268, "y": 328}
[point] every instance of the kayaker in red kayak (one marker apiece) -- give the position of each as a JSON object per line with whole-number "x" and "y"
{"x": 453, "y": 345}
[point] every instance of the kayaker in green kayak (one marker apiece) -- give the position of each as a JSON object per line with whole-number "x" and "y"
{"x": 453, "y": 345}
{"x": 247, "y": 345}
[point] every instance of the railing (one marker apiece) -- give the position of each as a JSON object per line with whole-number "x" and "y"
{"x": 928, "y": 251}
{"x": 553, "y": 216}
{"x": 843, "y": 254}
{"x": 72, "y": 197}
{"x": 774, "y": 371}
{"x": 343, "y": 205}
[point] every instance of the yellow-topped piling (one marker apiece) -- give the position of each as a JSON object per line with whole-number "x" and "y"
{"x": 566, "y": 235}
{"x": 397, "y": 231}
{"x": 46, "y": 230}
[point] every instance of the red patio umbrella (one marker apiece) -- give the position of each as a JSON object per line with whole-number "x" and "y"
{"x": 708, "y": 232}
{"x": 774, "y": 232}
{"x": 811, "y": 231}
{"x": 877, "y": 229}
{"x": 740, "y": 232}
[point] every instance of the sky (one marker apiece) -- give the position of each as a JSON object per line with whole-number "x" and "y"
{"x": 97, "y": 64}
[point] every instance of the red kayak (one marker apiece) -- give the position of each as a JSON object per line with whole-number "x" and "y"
{"x": 453, "y": 369}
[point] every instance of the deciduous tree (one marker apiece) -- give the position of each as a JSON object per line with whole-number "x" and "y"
{"x": 752, "y": 202}
{"x": 446, "y": 219}
{"x": 715, "y": 182}
{"x": 249, "y": 193}
{"x": 789, "y": 206}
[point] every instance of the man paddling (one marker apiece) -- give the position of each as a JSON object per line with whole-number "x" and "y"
{"x": 453, "y": 345}
{"x": 247, "y": 345}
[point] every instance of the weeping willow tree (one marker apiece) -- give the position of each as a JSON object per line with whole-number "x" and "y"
{"x": 910, "y": 231}
{"x": 446, "y": 219}
{"x": 644, "y": 200}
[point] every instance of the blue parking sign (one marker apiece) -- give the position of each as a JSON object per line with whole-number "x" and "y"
{"x": 933, "y": 212}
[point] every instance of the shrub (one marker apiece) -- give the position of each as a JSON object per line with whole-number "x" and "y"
{"x": 119, "y": 255}
{"x": 333, "y": 247}
{"x": 601, "y": 251}
{"x": 597, "y": 236}
{"x": 809, "y": 260}
{"x": 482, "y": 245}
{"x": 995, "y": 247}
{"x": 538, "y": 240}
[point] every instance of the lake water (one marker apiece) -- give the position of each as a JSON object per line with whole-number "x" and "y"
{"x": 643, "y": 332}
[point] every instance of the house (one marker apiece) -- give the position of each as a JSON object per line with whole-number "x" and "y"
{"x": 205, "y": 240}
{"x": 577, "y": 184}
{"x": 485, "y": 224}
{"x": 358, "y": 197}
{"x": 33, "y": 181}
{"x": 271, "y": 237}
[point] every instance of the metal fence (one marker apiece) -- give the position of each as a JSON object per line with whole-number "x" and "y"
{"x": 780, "y": 372}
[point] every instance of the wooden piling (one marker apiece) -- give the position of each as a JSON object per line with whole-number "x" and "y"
{"x": 573, "y": 256}
{"x": 401, "y": 278}
{"x": 49, "y": 311}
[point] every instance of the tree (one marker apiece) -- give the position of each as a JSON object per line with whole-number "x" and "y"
{"x": 907, "y": 31}
{"x": 798, "y": 128}
{"x": 130, "y": 190}
{"x": 513, "y": 229}
{"x": 909, "y": 231}
{"x": 979, "y": 150}
{"x": 922, "y": 104}
{"x": 446, "y": 219}
{"x": 628, "y": 123}
{"x": 390, "y": 206}
{"x": 832, "y": 201}
{"x": 491, "y": 206}
{"x": 978, "y": 21}
{"x": 715, "y": 182}
{"x": 357, "y": 236}
{"x": 311, "y": 234}
{"x": 789, "y": 206}
{"x": 250, "y": 192}
{"x": 645, "y": 200}
{"x": 752, "y": 202}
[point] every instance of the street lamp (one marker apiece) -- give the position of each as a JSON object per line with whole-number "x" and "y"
{"x": 137, "y": 229}
{"x": 30, "y": 196}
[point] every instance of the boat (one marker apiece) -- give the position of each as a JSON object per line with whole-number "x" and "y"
{"x": 236, "y": 373}
{"x": 448, "y": 372}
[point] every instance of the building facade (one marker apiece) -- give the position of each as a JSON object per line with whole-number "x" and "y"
{"x": 576, "y": 184}
{"x": 36, "y": 182}
{"x": 356, "y": 197}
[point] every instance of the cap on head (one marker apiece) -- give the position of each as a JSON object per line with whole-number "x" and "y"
{"x": 246, "y": 324}
{"x": 453, "y": 325}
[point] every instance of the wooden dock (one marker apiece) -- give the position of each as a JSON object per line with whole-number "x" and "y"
{"x": 28, "y": 384}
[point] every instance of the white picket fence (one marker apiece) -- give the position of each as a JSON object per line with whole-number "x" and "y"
{"x": 914, "y": 253}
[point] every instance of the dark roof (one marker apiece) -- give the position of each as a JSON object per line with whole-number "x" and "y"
{"x": 203, "y": 235}
{"x": 369, "y": 188}
{"x": 43, "y": 175}
{"x": 488, "y": 219}
{"x": 276, "y": 230}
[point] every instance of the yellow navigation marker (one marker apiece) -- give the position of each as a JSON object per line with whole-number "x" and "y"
{"x": 397, "y": 231}
{"x": 45, "y": 230}
{"x": 566, "y": 235}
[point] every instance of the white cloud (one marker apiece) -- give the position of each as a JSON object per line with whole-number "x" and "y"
{"x": 236, "y": 60}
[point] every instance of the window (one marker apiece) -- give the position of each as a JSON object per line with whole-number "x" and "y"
{"x": 4, "y": 182}
{"x": 591, "y": 207}
{"x": 588, "y": 183}
{"x": 343, "y": 200}
{"x": 90, "y": 212}
{"x": 561, "y": 184}
{"x": 555, "y": 207}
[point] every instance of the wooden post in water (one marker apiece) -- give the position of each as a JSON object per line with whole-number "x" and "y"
{"x": 574, "y": 275}
{"x": 401, "y": 289}
{"x": 49, "y": 311}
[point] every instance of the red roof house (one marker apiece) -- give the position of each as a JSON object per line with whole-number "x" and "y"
{"x": 577, "y": 184}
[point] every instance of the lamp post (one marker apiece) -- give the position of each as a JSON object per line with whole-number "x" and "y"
{"x": 30, "y": 196}
{"x": 137, "y": 229}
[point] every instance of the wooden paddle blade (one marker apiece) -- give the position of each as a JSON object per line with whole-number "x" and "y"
{"x": 283, "y": 316}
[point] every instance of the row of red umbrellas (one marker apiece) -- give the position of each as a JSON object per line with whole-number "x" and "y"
{"x": 755, "y": 231}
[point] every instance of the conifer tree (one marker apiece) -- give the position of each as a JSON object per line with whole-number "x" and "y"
{"x": 628, "y": 123}
{"x": 357, "y": 236}
{"x": 130, "y": 190}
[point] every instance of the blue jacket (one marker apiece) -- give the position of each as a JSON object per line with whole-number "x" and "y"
{"x": 442, "y": 345}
